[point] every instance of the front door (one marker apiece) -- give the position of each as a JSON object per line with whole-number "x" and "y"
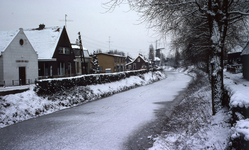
{"x": 22, "y": 76}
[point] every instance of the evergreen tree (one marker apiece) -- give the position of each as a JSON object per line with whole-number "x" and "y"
{"x": 95, "y": 64}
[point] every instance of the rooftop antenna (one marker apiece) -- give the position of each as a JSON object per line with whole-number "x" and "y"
{"x": 66, "y": 20}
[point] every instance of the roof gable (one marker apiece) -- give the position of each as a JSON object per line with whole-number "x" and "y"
{"x": 44, "y": 41}
{"x": 246, "y": 50}
{"x": 6, "y": 38}
{"x": 139, "y": 56}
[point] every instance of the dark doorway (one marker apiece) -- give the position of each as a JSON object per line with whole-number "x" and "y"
{"x": 22, "y": 76}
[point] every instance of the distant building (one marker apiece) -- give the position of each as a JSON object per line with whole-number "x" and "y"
{"x": 79, "y": 62}
{"x": 110, "y": 63}
{"x": 55, "y": 54}
{"x": 18, "y": 59}
{"x": 234, "y": 62}
{"x": 139, "y": 63}
{"x": 245, "y": 63}
{"x": 128, "y": 59}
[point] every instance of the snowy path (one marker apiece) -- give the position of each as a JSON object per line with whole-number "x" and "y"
{"x": 100, "y": 125}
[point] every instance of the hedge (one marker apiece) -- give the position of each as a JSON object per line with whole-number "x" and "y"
{"x": 53, "y": 85}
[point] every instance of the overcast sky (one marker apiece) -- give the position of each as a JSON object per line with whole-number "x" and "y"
{"x": 87, "y": 16}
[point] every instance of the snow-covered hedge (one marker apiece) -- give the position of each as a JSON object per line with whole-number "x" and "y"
{"x": 50, "y": 86}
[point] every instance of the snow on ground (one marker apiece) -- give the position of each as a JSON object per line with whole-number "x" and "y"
{"x": 206, "y": 131}
{"x": 22, "y": 106}
{"x": 192, "y": 126}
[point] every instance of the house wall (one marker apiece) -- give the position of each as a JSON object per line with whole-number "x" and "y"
{"x": 105, "y": 61}
{"x": 108, "y": 61}
{"x": 17, "y": 55}
{"x": 78, "y": 60}
{"x": 245, "y": 67}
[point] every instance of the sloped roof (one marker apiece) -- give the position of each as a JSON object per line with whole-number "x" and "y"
{"x": 74, "y": 46}
{"x": 136, "y": 59}
{"x": 246, "y": 50}
{"x": 157, "y": 59}
{"x": 86, "y": 53}
{"x": 5, "y": 38}
{"x": 44, "y": 41}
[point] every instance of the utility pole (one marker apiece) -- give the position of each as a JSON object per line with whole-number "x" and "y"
{"x": 82, "y": 54}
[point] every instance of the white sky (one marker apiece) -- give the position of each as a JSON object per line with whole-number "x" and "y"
{"x": 88, "y": 17}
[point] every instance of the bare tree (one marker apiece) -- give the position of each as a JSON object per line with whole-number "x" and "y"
{"x": 170, "y": 15}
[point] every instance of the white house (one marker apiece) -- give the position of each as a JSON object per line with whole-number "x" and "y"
{"x": 79, "y": 61}
{"x": 18, "y": 59}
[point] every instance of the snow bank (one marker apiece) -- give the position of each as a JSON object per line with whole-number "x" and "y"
{"x": 241, "y": 127}
{"x": 239, "y": 88}
{"x": 22, "y": 106}
{"x": 191, "y": 125}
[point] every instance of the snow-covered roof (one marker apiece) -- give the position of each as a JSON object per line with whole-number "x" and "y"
{"x": 116, "y": 55}
{"x": 74, "y": 46}
{"x": 136, "y": 59}
{"x": 246, "y": 50}
{"x": 157, "y": 59}
{"x": 5, "y": 39}
{"x": 86, "y": 53}
{"x": 45, "y": 40}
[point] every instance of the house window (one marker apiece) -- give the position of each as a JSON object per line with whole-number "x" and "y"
{"x": 61, "y": 68}
{"x": 46, "y": 69}
{"x": 114, "y": 59}
{"x": 101, "y": 69}
{"x": 118, "y": 68}
{"x": 78, "y": 67}
{"x": 138, "y": 59}
{"x": 134, "y": 66}
{"x": 64, "y": 50}
{"x": 21, "y": 42}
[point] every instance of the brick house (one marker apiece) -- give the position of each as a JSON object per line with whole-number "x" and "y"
{"x": 110, "y": 63}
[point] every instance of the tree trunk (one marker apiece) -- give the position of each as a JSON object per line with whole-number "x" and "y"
{"x": 216, "y": 66}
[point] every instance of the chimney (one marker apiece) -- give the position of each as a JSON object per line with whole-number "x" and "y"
{"x": 41, "y": 26}
{"x": 21, "y": 29}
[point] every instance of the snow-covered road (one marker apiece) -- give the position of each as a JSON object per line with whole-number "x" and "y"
{"x": 99, "y": 125}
